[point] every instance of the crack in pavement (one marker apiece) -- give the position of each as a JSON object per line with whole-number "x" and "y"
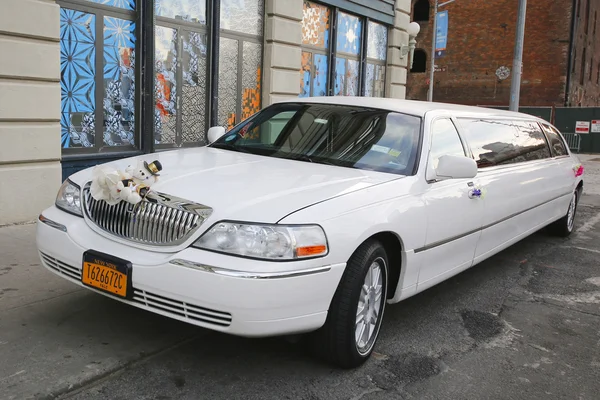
{"x": 93, "y": 381}
{"x": 543, "y": 300}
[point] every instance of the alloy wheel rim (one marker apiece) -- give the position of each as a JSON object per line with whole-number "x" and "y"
{"x": 571, "y": 214}
{"x": 368, "y": 311}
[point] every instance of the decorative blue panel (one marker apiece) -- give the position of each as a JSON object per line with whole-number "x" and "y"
{"x": 126, "y": 4}
{"x": 187, "y": 10}
{"x": 346, "y": 77}
{"x": 321, "y": 74}
{"x": 349, "y": 33}
{"x": 305, "y": 74}
{"x": 340, "y": 76}
{"x": 119, "y": 81}
{"x": 77, "y": 60}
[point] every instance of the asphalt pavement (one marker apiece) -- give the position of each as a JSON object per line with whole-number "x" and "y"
{"x": 524, "y": 324}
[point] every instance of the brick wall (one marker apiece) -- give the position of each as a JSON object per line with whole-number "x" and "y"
{"x": 585, "y": 87}
{"x": 481, "y": 37}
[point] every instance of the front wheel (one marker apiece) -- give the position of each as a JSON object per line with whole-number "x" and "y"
{"x": 349, "y": 335}
{"x": 564, "y": 226}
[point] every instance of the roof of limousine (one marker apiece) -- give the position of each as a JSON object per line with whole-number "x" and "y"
{"x": 414, "y": 107}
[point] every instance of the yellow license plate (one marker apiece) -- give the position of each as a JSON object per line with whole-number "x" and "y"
{"x": 106, "y": 273}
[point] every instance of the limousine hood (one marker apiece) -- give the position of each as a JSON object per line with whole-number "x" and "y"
{"x": 246, "y": 187}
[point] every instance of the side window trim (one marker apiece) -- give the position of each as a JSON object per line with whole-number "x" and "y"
{"x": 546, "y": 138}
{"x": 463, "y": 137}
{"x": 428, "y": 164}
{"x": 547, "y": 127}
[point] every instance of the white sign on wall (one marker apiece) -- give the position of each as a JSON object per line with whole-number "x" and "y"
{"x": 582, "y": 127}
{"x": 596, "y": 126}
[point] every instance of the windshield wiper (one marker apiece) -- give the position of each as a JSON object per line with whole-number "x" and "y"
{"x": 303, "y": 157}
{"x": 321, "y": 160}
{"x": 230, "y": 146}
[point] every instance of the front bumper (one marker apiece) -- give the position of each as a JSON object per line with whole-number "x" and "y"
{"x": 224, "y": 293}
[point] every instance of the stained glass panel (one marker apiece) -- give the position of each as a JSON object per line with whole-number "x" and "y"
{"x": 126, "y": 4}
{"x": 375, "y": 80}
{"x": 349, "y": 33}
{"x": 346, "y": 77}
{"x": 321, "y": 75}
{"x": 315, "y": 24}
{"x": 193, "y": 89}
{"x": 377, "y": 41}
{"x": 165, "y": 86}
{"x": 244, "y": 16}
{"x": 352, "y": 78}
{"x": 228, "y": 95}
{"x": 78, "y": 71}
{"x": 187, "y": 10}
{"x": 119, "y": 82}
{"x": 251, "y": 79}
{"x": 305, "y": 74}
{"x": 340, "y": 76}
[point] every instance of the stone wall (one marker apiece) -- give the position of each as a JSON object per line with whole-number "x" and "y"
{"x": 30, "y": 152}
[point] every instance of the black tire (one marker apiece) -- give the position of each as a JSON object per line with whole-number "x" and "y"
{"x": 335, "y": 342}
{"x": 563, "y": 227}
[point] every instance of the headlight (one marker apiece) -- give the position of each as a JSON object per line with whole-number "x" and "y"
{"x": 273, "y": 242}
{"x": 69, "y": 198}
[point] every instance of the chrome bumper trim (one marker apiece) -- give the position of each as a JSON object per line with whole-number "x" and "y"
{"x": 248, "y": 275}
{"x": 51, "y": 223}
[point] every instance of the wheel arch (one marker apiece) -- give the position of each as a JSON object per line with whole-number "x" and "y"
{"x": 579, "y": 188}
{"x": 393, "y": 246}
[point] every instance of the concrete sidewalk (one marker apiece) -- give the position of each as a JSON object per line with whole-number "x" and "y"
{"x": 54, "y": 336}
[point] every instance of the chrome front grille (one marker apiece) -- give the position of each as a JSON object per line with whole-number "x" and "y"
{"x": 161, "y": 220}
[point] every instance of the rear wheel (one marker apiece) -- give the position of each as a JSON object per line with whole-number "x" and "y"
{"x": 564, "y": 226}
{"x": 349, "y": 335}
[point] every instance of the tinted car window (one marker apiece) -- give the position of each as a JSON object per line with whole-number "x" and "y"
{"x": 444, "y": 141}
{"x": 556, "y": 143}
{"x": 532, "y": 144}
{"x": 346, "y": 136}
{"x": 500, "y": 142}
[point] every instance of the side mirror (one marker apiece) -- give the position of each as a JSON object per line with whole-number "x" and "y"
{"x": 456, "y": 167}
{"x": 214, "y": 133}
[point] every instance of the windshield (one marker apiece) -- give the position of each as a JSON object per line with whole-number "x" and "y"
{"x": 346, "y": 136}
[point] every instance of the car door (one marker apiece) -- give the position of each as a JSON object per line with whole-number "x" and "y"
{"x": 453, "y": 215}
{"x": 516, "y": 176}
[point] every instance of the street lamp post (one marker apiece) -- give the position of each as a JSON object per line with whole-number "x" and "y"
{"x": 412, "y": 30}
{"x": 433, "y": 44}
{"x": 515, "y": 85}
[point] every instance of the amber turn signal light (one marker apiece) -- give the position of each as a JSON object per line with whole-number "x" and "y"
{"x": 311, "y": 251}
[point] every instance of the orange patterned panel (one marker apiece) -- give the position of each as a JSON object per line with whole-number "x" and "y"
{"x": 315, "y": 24}
{"x": 251, "y": 103}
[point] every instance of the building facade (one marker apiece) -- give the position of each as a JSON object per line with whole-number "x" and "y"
{"x": 584, "y": 76}
{"x": 561, "y": 56}
{"x": 97, "y": 80}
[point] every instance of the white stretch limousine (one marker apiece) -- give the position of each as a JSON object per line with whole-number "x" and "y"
{"x": 311, "y": 215}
